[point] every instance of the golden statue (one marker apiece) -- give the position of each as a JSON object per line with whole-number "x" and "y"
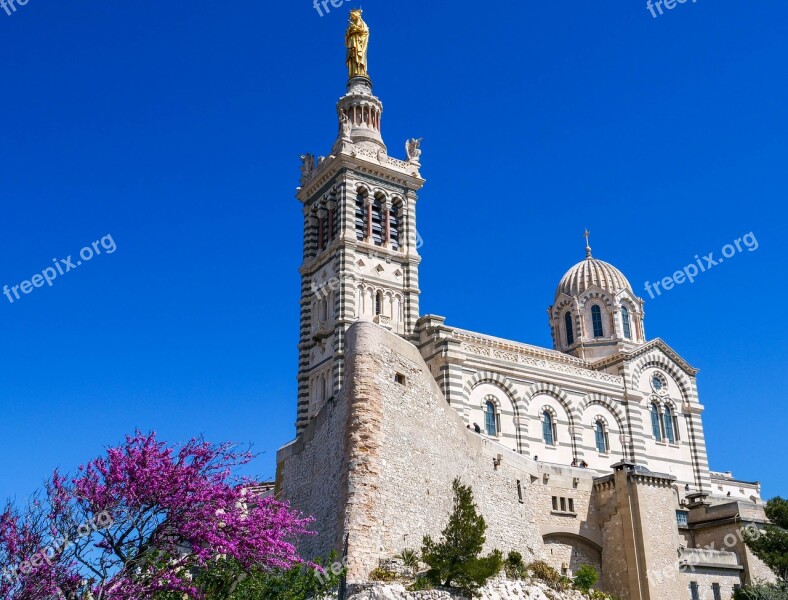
{"x": 357, "y": 42}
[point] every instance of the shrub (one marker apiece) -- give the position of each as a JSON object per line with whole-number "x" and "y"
{"x": 586, "y": 577}
{"x": 421, "y": 584}
{"x": 384, "y": 575}
{"x": 544, "y": 572}
{"x": 231, "y": 580}
{"x": 513, "y": 566}
{"x": 409, "y": 558}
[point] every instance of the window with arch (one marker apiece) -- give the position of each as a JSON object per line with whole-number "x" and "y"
{"x": 570, "y": 329}
{"x": 548, "y": 428}
{"x": 670, "y": 429}
{"x": 325, "y": 227}
{"x": 378, "y": 303}
{"x": 596, "y": 321}
{"x": 322, "y": 310}
{"x": 625, "y": 321}
{"x": 320, "y": 237}
{"x": 361, "y": 217}
{"x": 491, "y": 418}
{"x": 378, "y": 233}
{"x": 602, "y": 438}
{"x": 394, "y": 225}
{"x": 656, "y": 429}
{"x": 333, "y": 220}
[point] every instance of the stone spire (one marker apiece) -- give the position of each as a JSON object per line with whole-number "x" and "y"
{"x": 359, "y": 111}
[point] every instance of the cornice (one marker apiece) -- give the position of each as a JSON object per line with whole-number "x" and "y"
{"x": 535, "y": 351}
{"x": 363, "y": 161}
{"x": 533, "y": 356}
{"x": 657, "y": 343}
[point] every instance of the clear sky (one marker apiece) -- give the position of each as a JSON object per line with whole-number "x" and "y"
{"x": 175, "y": 128}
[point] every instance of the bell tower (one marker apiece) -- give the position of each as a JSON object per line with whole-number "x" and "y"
{"x": 360, "y": 242}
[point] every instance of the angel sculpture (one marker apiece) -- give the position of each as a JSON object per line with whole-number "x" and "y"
{"x": 307, "y": 167}
{"x": 413, "y": 149}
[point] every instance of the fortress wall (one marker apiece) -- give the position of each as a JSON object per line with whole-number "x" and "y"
{"x": 640, "y": 537}
{"x": 309, "y": 475}
{"x": 729, "y": 536}
{"x": 402, "y": 472}
{"x": 659, "y": 540}
{"x": 756, "y": 569}
{"x": 377, "y": 465}
{"x": 614, "y": 576}
{"x": 706, "y": 578}
{"x": 420, "y": 446}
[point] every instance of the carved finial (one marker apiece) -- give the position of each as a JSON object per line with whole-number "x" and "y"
{"x": 588, "y": 244}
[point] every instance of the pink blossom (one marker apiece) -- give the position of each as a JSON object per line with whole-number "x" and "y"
{"x": 172, "y": 511}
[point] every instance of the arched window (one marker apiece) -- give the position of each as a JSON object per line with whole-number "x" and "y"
{"x": 669, "y": 432}
{"x": 394, "y": 225}
{"x": 656, "y": 430}
{"x": 626, "y": 323}
{"x": 378, "y": 222}
{"x": 602, "y": 443}
{"x": 596, "y": 320}
{"x": 548, "y": 429}
{"x": 570, "y": 330}
{"x": 490, "y": 420}
{"x": 323, "y": 310}
{"x": 361, "y": 217}
{"x": 378, "y": 303}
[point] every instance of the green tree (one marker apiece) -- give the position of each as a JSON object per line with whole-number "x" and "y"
{"x": 586, "y": 578}
{"x": 771, "y": 543}
{"x": 456, "y": 561}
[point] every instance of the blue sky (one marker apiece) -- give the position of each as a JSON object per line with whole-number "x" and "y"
{"x": 175, "y": 127}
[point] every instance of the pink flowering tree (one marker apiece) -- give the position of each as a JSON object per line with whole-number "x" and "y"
{"x": 27, "y": 573}
{"x": 141, "y": 521}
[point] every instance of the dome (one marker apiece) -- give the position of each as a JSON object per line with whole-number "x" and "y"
{"x": 592, "y": 272}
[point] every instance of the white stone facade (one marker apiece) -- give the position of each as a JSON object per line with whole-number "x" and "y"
{"x": 524, "y": 382}
{"x": 592, "y": 452}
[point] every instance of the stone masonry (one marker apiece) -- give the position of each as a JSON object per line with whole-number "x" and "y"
{"x": 376, "y": 468}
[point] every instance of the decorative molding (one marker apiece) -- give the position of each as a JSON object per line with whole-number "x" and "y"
{"x": 533, "y": 357}
{"x": 657, "y": 343}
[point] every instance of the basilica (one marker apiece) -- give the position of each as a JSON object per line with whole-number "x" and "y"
{"x": 589, "y": 452}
